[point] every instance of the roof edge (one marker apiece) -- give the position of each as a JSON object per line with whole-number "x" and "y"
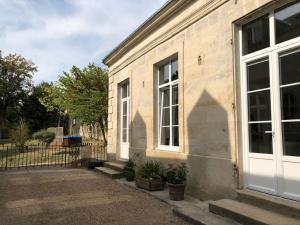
{"x": 149, "y": 26}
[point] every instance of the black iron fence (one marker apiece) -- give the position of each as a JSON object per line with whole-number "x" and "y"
{"x": 12, "y": 156}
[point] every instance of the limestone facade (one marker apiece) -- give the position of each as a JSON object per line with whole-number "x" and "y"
{"x": 203, "y": 36}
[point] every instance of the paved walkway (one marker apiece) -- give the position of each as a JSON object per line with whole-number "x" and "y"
{"x": 76, "y": 197}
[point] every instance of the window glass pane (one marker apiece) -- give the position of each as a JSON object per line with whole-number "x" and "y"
{"x": 165, "y": 94}
{"x": 175, "y": 136}
{"x": 166, "y": 117}
{"x": 290, "y": 98}
{"x": 174, "y": 70}
{"x": 287, "y": 21}
{"x": 256, "y": 35}
{"x": 260, "y": 142}
{"x": 175, "y": 115}
{"x": 124, "y": 91}
{"x": 165, "y": 136}
{"x": 291, "y": 138}
{"x": 290, "y": 68}
{"x": 124, "y": 135}
{"x": 258, "y": 75}
{"x": 259, "y": 106}
{"x": 125, "y": 108}
{"x": 124, "y": 121}
{"x": 175, "y": 95}
{"x": 164, "y": 74}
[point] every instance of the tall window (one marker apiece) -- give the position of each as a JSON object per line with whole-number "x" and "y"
{"x": 168, "y": 104}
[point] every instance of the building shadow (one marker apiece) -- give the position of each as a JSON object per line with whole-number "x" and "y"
{"x": 211, "y": 172}
{"x": 138, "y": 139}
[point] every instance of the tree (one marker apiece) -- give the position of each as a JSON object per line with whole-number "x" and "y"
{"x": 37, "y": 115}
{"x": 15, "y": 83}
{"x": 86, "y": 95}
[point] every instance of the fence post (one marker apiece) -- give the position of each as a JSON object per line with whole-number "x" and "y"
{"x": 65, "y": 156}
{"x": 6, "y": 158}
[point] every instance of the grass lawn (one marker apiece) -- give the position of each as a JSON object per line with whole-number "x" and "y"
{"x": 41, "y": 155}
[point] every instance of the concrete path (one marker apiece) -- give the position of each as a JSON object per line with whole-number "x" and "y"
{"x": 76, "y": 197}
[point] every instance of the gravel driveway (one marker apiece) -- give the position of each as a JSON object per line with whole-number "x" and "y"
{"x": 76, "y": 197}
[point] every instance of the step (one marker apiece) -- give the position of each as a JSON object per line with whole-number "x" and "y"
{"x": 248, "y": 214}
{"x": 114, "y": 174}
{"x": 269, "y": 202}
{"x": 115, "y": 165}
{"x": 199, "y": 216}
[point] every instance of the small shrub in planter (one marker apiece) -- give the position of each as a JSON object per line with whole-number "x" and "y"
{"x": 44, "y": 136}
{"x": 129, "y": 172}
{"x": 149, "y": 176}
{"x": 176, "y": 181}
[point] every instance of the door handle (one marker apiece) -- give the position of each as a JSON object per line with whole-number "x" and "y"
{"x": 270, "y": 132}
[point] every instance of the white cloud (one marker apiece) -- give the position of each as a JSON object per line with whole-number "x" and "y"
{"x": 57, "y": 34}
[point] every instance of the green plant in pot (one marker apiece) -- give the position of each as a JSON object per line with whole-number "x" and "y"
{"x": 129, "y": 172}
{"x": 176, "y": 181}
{"x": 149, "y": 176}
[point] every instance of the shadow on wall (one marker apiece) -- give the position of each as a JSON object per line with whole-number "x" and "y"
{"x": 211, "y": 173}
{"x": 138, "y": 145}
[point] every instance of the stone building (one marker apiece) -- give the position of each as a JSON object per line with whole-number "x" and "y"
{"x": 215, "y": 84}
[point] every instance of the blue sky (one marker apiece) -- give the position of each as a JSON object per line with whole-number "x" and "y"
{"x": 56, "y": 34}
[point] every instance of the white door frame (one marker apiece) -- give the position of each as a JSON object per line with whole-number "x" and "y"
{"x": 124, "y": 145}
{"x": 273, "y": 52}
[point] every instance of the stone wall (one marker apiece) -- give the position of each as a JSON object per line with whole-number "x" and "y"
{"x": 208, "y": 95}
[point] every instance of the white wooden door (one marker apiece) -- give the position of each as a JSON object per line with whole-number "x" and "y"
{"x": 287, "y": 85}
{"x": 259, "y": 125}
{"x": 124, "y": 132}
{"x": 271, "y": 96}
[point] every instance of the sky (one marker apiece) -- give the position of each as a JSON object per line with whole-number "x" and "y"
{"x": 56, "y": 34}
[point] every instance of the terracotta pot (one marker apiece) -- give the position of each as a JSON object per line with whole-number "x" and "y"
{"x": 176, "y": 191}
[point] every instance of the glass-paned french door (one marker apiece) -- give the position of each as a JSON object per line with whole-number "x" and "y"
{"x": 124, "y": 120}
{"x": 270, "y": 63}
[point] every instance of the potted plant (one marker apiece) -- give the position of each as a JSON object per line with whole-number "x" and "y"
{"x": 176, "y": 181}
{"x": 129, "y": 172}
{"x": 149, "y": 176}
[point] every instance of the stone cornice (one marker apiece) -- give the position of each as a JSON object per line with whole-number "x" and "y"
{"x": 186, "y": 22}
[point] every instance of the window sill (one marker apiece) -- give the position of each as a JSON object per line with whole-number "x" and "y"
{"x": 167, "y": 148}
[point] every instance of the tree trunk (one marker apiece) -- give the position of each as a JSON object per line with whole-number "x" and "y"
{"x": 102, "y": 127}
{"x": 2, "y": 121}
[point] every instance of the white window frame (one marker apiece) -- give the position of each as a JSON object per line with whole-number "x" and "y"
{"x": 272, "y": 53}
{"x": 170, "y": 85}
{"x": 125, "y": 99}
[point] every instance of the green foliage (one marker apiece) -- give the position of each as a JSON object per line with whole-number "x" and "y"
{"x": 176, "y": 174}
{"x": 37, "y": 115}
{"x": 44, "y": 136}
{"x": 20, "y": 135}
{"x": 52, "y": 98}
{"x": 129, "y": 172}
{"x": 85, "y": 94}
{"x": 15, "y": 83}
{"x": 151, "y": 170}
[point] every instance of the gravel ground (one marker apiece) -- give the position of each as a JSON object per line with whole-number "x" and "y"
{"x": 76, "y": 197}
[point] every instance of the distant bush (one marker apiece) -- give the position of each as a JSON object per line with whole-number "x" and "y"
{"x": 44, "y": 136}
{"x": 20, "y": 135}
